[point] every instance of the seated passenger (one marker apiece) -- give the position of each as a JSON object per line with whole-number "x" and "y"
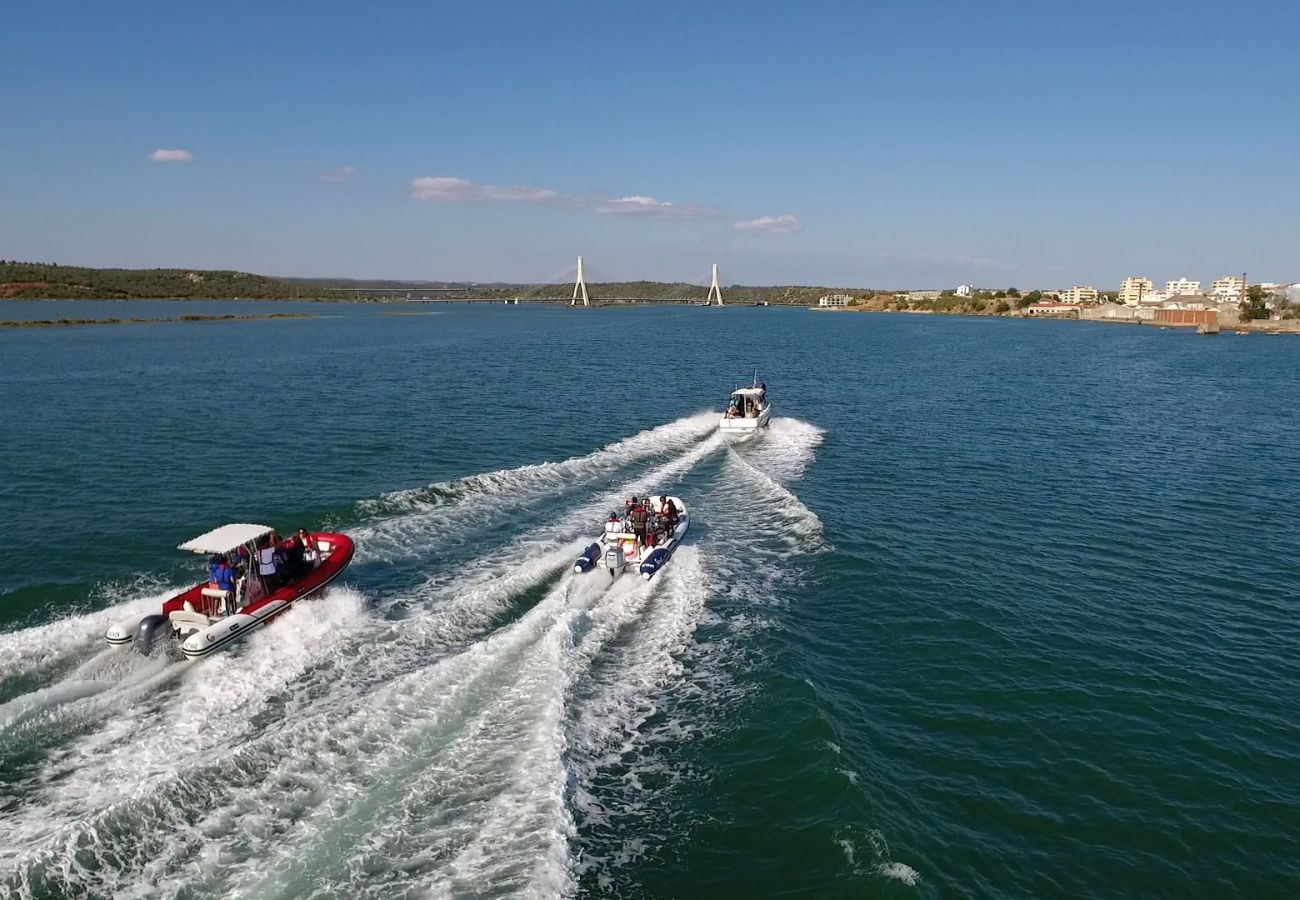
{"x": 668, "y": 513}
{"x": 310, "y": 555}
{"x": 614, "y": 525}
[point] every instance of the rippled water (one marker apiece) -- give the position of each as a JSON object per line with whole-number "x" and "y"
{"x": 994, "y": 609}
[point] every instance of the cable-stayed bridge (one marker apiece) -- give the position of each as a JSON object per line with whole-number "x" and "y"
{"x": 574, "y": 287}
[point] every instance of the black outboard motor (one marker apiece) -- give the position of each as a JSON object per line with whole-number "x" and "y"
{"x": 654, "y": 561}
{"x": 148, "y": 631}
{"x": 587, "y": 561}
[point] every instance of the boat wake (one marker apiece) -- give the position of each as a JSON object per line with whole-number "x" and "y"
{"x": 484, "y": 726}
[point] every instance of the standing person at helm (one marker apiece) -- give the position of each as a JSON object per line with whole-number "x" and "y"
{"x": 267, "y": 567}
{"x": 638, "y": 518}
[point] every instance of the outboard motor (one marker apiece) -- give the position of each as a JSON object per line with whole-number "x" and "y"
{"x": 147, "y": 632}
{"x": 615, "y": 560}
{"x": 587, "y": 561}
{"x": 654, "y": 561}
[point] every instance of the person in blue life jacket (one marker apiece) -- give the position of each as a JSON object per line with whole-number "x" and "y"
{"x": 220, "y": 573}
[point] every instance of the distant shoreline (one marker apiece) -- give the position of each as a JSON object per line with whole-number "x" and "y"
{"x": 65, "y": 323}
{"x": 1262, "y": 326}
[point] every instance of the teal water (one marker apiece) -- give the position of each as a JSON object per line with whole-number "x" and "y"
{"x": 994, "y": 609}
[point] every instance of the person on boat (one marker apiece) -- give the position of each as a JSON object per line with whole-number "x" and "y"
{"x": 221, "y": 577}
{"x": 220, "y": 573}
{"x": 668, "y": 514}
{"x": 295, "y": 563}
{"x": 310, "y": 555}
{"x": 240, "y": 562}
{"x": 638, "y": 520}
{"x": 613, "y": 525}
{"x": 267, "y": 565}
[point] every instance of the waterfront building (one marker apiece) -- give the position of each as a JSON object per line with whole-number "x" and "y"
{"x": 965, "y": 290}
{"x": 1134, "y": 288}
{"x": 835, "y": 300}
{"x": 1070, "y": 310}
{"x": 1078, "y": 294}
{"x": 1187, "y": 301}
{"x": 1186, "y": 317}
{"x": 1182, "y": 286}
{"x": 1229, "y": 287}
{"x": 1109, "y": 312}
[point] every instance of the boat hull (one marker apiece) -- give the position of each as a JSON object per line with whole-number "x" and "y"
{"x": 618, "y": 553}
{"x": 746, "y": 426}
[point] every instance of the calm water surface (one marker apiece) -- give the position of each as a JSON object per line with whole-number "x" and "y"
{"x": 995, "y": 609}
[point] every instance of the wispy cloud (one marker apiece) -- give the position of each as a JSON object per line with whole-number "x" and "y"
{"x": 786, "y": 224}
{"x": 340, "y": 175}
{"x": 161, "y": 155}
{"x": 649, "y": 207}
{"x": 444, "y": 189}
{"x": 954, "y": 261}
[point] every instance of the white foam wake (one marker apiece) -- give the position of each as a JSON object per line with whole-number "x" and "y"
{"x": 413, "y": 517}
{"x": 442, "y": 753}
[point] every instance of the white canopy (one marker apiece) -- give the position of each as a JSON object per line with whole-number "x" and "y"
{"x": 748, "y": 392}
{"x": 226, "y": 538}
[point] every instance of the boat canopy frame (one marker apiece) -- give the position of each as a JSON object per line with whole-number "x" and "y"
{"x": 226, "y": 539}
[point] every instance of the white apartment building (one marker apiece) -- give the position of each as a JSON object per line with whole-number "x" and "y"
{"x": 1134, "y": 289}
{"x": 1182, "y": 286}
{"x": 965, "y": 290}
{"x": 1228, "y": 287}
{"x": 1078, "y": 294}
{"x": 835, "y": 300}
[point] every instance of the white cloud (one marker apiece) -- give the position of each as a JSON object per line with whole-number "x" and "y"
{"x": 650, "y": 207}
{"x": 953, "y": 261}
{"x": 786, "y": 224}
{"x": 443, "y": 189}
{"x": 171, "y": 156}
{"x": 338, "y": 176}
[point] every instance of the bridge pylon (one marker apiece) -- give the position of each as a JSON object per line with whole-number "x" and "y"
{"x": 580, "y": 287}
{"x": 715, "y": 290}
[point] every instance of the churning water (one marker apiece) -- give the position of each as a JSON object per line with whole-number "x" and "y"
{"x": 992, "y": 609}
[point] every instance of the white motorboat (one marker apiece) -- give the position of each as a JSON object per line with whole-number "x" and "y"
{"x": 747, "y": 411}
{"x": 627, "y": 544}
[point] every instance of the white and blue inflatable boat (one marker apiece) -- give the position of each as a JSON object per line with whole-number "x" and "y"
{"x": 624, "y": 545}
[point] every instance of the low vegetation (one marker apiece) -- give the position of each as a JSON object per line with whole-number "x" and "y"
{"x": 48, "y": 281}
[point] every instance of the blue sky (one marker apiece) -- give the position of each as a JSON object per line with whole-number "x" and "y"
{"x": 888, "y": 144}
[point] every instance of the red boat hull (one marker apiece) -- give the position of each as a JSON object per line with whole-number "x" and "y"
{"x": 329, "y": 568}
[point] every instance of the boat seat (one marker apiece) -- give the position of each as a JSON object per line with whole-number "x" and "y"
{"x": 215, "y": 593}
{"x": 184, "y": 618}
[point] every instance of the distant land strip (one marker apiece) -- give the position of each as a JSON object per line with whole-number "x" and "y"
{"x": 61, "y": 323}
{"x": 50, "y": 281}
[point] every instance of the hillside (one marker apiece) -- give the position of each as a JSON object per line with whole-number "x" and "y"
{"x": 38, "y": 281}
